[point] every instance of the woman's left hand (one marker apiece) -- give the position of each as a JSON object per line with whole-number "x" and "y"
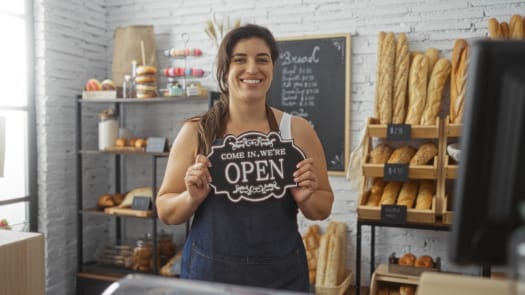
{"x": 306, "y": 179}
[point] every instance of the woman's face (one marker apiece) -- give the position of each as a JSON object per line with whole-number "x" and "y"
{"x": 251, "y": 69}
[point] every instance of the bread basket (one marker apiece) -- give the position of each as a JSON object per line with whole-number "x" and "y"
{"x": 335, "y": 290}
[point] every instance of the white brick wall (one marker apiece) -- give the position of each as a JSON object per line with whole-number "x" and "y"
{"x": 74, "y": 43}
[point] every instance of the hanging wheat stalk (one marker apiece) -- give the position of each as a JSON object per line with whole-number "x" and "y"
{"x": 217, "y": 29}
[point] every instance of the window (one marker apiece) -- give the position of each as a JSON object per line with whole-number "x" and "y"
{"x": 17, "y": 123}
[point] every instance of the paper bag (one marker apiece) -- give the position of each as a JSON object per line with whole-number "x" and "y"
{"x": 127, "y": 47}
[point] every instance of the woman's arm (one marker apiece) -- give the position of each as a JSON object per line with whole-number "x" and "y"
{"x": 185, "y": 183}
{"x": 314, "y": 195}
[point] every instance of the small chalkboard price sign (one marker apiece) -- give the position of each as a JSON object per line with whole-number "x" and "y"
{"x": 312, "y": 80}
{"x": 156, "y": 145}
{"x": 394, "y": 214}
{"x": 254, "y": 166}
{"x": 141, "y": 203}
{"x": 398, "y": 131}
{"x": 396, "y": 172}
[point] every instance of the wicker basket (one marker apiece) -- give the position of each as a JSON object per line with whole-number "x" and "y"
{"x": 335, "y": 290}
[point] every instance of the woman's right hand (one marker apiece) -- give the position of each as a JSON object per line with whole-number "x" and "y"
{"x": 197, "y": 179}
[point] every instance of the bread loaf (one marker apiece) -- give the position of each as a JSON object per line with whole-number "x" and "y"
{"x": 407, "y": 290}
{"x": 375, "y": 192}
{"x": 402, "y": 155}
{"x": 458, "y": 76}
{"x": 374, "y": 199}
{"x": 390, "y": 193}
{"x": 311, "y": 240}
{"x": 425, "y": 194}
{"x": 417, "y": 89}
{"x": 424, "y": 261}
{"x": 461, "y": 81}
{"x": 494, "y": 31}
{"x": 386, "y": 79}
{"x": 378, "y": 185}
{"x": 331, "y": 257}
{"x": 407, "y": 194}
{"x": 516, "y": 27}
{"x": 383, "y": 291}
{"x": 402, "y": 63}
{"x": 322, "y": 259}
{"x": 425, "y": 153}
{"x": 380, "y": 154}
{"x": 407, "y": 259}
{"x": 432, "y": 55}
{"x": 438, "y": 78}
{"x": 380, "y": 40}
{"x": 505, "y": 30}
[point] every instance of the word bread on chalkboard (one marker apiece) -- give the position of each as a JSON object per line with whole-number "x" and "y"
{"x": 254, "y": 166}
{"x": 311, "y": 80}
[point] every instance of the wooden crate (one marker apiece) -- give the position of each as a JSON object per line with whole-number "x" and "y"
{"x": 446, "y": 214}
{"x": 374, "y": 129}
{"x": 413, "y": 215}
{"x": 382, "y": 277}
{"x": 414, "y": 171}
{"x": 450, "y": 168}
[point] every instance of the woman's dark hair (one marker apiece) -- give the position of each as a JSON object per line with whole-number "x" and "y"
{"x": 212, "y": 123}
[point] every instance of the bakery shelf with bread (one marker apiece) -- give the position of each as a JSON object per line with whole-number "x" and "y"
{"x": 130, "y": 168}
{"x": 385, "y": 282}
{"x": 417, "y": 195}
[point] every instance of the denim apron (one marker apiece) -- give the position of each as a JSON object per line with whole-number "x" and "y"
{"x": 246, "y": 243}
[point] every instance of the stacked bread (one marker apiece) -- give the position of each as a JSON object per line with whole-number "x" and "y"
{"x": 331, "y": 266}
{"x": 409, "y": 86}
{"x": 514, "y": 29}
{"x": 383, "y": 153}
{"x": 413, "y": 193}
{"x": 402, "y": 289}
{"x": 146, "y": 82}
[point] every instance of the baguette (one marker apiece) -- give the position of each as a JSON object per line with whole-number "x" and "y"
{"x": 386, "y": 79}
{"x": 373, "y": 199}
{"x": 456, "y": 76}
{"x": 433, "y": 56}
{"x": 378, "y": 185}
{"x": 494, "y": 30}
{"x": 439, "y": 77}
{"x": 380, "y": 154}
{"x": 408, "y": 194}
{"x": 417, "y": 89}
{"x": 425, "y": 194}
{"x": 516, "y": 27}
{"x": 505, "y": 30}
{"x": 425, "y": 153}
{"x": 380, "y": 40}
{"x": 402, "y": 63}
{"x": 334, "y": 259}
{"x": 390, "y": 193}
{"x": 322, "y": 259}
{"x": 402, "y": 155}
{"x": 461, "y": 83}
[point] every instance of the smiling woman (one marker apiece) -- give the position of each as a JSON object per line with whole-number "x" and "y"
{"x": 18, "y": 196}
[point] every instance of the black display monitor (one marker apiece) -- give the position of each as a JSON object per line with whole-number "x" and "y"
{"x": 491, "y": 179}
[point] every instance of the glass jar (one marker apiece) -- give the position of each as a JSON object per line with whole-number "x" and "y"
{"x": 166, "y": 247}
{"x": 143, "y": 255}
{"x": 128, "y": 87}
{"x": 107, "y": 129}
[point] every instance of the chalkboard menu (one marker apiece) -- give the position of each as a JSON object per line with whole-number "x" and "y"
{"x": 312, "y": 80}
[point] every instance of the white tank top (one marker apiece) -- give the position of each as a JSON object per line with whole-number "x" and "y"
{"x": 285, "y": 126}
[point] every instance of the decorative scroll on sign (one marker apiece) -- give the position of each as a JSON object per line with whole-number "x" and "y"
{"x": 254, "y": 166}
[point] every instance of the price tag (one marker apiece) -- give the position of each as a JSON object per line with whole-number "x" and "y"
{"x": 156, "y": 145}
{"x": 394, "y": 214}
{"x": 398, "y": 132}
{"x": 396, "y": 172}
{"x": 141, "y": 203}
